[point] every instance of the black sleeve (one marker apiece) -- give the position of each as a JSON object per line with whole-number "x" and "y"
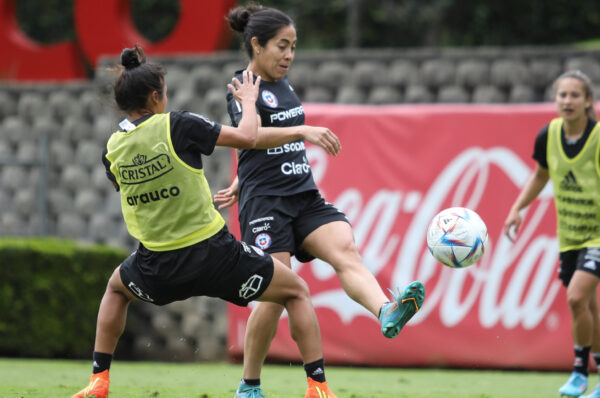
{"x": 540, "y": 150}
{"x": 193, "y": 133}
{"x": 109, "y": 173}
{"x": 234, "y": 109}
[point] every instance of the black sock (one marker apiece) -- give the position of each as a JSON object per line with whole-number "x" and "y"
{"x": 101, "y": 361}
{"x": 596, "y": 356}
{"x": 316, "y": 370}
{"x": 251, "y": 382}
{"x": 582, "y": 355}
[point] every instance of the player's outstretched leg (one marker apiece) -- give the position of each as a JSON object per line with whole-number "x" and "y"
{"x": 396, "y": 314}
{"x": 98, "y": 387}
{"x": 318, "y": 390}
{"x": 247, "y": 391}
{"x": 575, "y": 386}
{"x": 594, "y": 394}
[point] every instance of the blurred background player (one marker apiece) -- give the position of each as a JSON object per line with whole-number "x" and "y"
{"x": 567, "y": 152}
{"x": 185, "y": 249}
{"x": 276, "y": 186}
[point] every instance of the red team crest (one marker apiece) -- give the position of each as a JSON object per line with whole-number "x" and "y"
{"x": 263, "y": 241}
{"x": 269, "y": 98}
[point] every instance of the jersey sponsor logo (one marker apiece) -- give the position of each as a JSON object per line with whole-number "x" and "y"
{"x": 569, "y": 183}
{"x": 268, "y": 218}
{"x": 135, "y": 289}
{"x": 293, "y": 168}
{"x": 269, "y": 98}
{"x": 153, "y": 196}
{"x": 286, "y": 148}
{"x": 142, "y": 170}
{"x": 288, "y": 114}
{"x": 251, "y": 286}
{"x": 261, "y": 228}
{"x": 263, "y": 240}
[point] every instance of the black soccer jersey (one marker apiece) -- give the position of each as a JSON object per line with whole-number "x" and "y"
{"x": 279, "y": 171}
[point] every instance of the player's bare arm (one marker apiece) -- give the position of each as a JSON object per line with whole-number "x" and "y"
{"x": 532, "y": 189}
{"x": 270, "y": 137}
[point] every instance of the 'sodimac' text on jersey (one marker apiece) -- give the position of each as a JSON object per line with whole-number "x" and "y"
{"x": 283, "y": 170}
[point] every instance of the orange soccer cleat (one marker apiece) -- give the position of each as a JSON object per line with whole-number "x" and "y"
{"x": 318, "y": 390}
{"x": 98, "y": 387}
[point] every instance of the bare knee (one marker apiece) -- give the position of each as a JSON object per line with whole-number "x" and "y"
{"x": 115, "y": 286}
{"x": 577, "y": 302}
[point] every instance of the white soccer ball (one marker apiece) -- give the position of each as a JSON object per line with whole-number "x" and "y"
{"x": 456, "y": 237}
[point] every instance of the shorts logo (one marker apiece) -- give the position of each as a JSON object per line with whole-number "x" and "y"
{"x": 246, "y": 247}
{"x": 263, "y": 241}
{"x": 270, "y": 98}
{"x": 138, "y": 292}
{"x": 590, "y": 264}
{"x": 258, "y": 251}
{"x": 251, "y": 286}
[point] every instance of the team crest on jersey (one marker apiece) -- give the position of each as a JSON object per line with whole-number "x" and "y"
{"x": 270, "y": 98}
{"x": 263, "y": 241}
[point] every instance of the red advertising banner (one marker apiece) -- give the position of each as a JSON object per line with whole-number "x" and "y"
{"x": 398, "y": 167}
{"x": 105, "y": 28}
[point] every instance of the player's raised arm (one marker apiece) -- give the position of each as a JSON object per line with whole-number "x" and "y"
{"x": 245, "y": 92}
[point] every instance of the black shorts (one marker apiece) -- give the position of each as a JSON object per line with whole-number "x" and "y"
{"x": 586, "y": 259}
{"x": 281, "y": 223}
{"x": 219, "y": 266}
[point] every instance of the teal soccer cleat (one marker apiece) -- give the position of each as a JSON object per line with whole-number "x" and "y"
{"x": 246, "y": 391}
{"x": 575, "y": 386}
{"x": 396, "y": 314}
{"x": 594, "y": 394}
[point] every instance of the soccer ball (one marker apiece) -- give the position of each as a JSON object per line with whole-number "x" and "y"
{"x": 456, "y": 237}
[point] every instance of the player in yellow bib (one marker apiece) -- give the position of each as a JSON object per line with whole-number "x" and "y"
{"x": 185, "y": 250}
{"x": 567, "y": 151}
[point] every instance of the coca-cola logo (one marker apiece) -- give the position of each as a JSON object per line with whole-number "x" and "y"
{"x": 513, "y": 285}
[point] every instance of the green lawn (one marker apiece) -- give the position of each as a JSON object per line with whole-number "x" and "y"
{"x": 53, "y": 378}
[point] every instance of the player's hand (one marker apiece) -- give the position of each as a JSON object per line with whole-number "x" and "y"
{"x": 247, "y": 89}
{"x": 512, "y": 224}
{"x": 324, "y": 138}
{"x": 228, "y": 196}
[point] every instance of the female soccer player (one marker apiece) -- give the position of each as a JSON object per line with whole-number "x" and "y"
{"x": 275, "y": 187}
{"x": 185, "y": 250}
{"x": 567, "y": 152}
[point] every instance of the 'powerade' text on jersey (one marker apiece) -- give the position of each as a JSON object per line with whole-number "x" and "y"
{"x": 283, "y": 170}
{"x": 576, "y": 185}
{"x": 166, "y": 203}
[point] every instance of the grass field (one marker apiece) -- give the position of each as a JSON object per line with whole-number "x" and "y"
{"x": 53, "y": 379}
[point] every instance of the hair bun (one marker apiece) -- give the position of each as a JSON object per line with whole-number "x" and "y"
{"x": 130, "y": 58}
{"x": 238, "y": 18}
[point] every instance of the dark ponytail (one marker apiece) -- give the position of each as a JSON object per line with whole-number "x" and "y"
{"x": 257, "y": 21}
{"x": 137, "y": 79}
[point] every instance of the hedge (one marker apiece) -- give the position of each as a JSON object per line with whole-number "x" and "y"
{"x": 50, "y": 290}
